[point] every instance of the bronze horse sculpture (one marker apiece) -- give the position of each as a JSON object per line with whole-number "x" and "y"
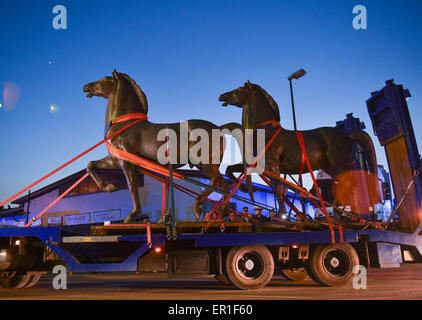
{"x": 125, "y": 97}
{"x": 327, "y": 148}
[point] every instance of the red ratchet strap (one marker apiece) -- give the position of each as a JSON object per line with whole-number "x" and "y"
{"x": 270, "y": 123}
{"x": 243, "y": 176}
{"x": 300, "y": 178}
{"x": 324, "y": 209}
{"x": 208, "y": 215}
{"x": 248, "y": 171}
{"x": 149, "y": 242}
{"x": 290, "y": 204}
{"x": 216, "y": 203}
{"x": 189, "y": 192}
{"x": 132, "y": 158}
{"x": 57, "y": 200}
{"x": 302, "y": 166}
{"x": 138, "y": 117}
{"x": 163, "y": 204}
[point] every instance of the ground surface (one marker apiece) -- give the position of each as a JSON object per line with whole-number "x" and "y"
{"x": 403, "y": 283}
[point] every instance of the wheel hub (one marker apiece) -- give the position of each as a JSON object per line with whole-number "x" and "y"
{"x": 334, "y": 262}
{"x": 249, "y": 264}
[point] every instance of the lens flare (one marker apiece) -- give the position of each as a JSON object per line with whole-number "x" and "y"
{"x": 54, "y": 108}
{"x": 11, "y": 94}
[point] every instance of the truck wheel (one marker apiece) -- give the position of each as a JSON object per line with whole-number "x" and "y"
{"x": 14, "y": 280}
{"x": 250, "y": 267}
{"x": 294, "y": 274}
{"x": 332, "y": 265}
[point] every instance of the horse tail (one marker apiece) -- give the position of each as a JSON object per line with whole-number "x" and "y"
{"x": 239, "y": 135}
{"x": 368, "y": 147}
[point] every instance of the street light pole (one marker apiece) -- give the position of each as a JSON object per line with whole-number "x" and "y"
{"x": 293, "y": 104}
{"x": 296, "y": 75}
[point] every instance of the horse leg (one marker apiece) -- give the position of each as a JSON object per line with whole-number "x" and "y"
{"x": 234, "y": 168}
{"x": 278, "y": 190}
{"x": 104, "y": 163}
{"x": 130, "y": 172}
{"x": 240, "y": 168}
{"x": 213, "y": 173}
{"x": 200, "y": 200}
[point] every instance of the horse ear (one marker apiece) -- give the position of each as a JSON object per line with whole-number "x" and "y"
{"x": 115, "y": 75}
{"x": 248, "y": 85}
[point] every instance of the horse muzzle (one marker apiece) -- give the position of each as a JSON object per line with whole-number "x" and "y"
{"x": 222, "y": 98}
{"x": 87, "y": 88}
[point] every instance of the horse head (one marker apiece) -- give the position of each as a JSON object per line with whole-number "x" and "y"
{"x": 258, "y": 105}
{"x": 104, "y": 87}
{"x": 238, "y": 97}
{"x": 126, "y": 94}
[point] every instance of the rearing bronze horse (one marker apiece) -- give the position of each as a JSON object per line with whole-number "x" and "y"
{"x": 124, "y": 97}
{"x": 327, "y": 148}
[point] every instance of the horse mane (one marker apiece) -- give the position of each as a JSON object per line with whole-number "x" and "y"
{"x": 270, "y": 101}
{"x": 141, "y": 95}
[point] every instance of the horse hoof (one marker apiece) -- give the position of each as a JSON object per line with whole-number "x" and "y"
{"x": 197, "y": 215}
{"x": 197, "y": 210}
{"x": 110, "y": 188}
{"x": 130, "y": 219}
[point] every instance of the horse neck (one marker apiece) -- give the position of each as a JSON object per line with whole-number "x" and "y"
{"x": 123, "y": 101}
{"x": 257, "y": 111}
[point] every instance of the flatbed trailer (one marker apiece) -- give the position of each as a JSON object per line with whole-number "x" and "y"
{"x": 244, "y": 254}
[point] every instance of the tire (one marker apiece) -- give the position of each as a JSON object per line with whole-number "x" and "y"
{"x": 332, "y": 265}
{"x": 294, "y": 274}
{"x": 15, "y": 280}
{"x": 249, "y": 267}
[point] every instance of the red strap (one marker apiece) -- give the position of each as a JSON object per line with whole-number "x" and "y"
{"x": 137, "y": 160}
{"x": 270, "y": 122}
{"x": 149, "y": 242}
{"x": 142, "y": 162}
{"x": 57, "y": 200}
{"x": 302, "y": 166}
{"x": 130, "y": 116}
{"x": 248, "y": 171}
{"x": 138, "y": 116}
{"x": 340, "y": 230}
{"x": 302, "y": 146}
{"x": 208, "y": 215}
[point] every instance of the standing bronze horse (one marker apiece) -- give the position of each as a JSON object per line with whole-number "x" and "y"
{"x": 327, "y": 148}
{"x": 125, "y": 97}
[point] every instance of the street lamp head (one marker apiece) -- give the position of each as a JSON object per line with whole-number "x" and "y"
{"x": 296, "y": 75}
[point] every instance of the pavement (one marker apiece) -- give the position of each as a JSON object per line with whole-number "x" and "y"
{"x": 382, "y": 284}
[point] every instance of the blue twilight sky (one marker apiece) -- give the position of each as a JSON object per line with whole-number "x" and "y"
{"x": 184, "y": 54}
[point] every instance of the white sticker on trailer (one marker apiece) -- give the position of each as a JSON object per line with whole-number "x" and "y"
{"x": 106, "y": 216}
{"x": 54, "y": 220}
{"x": 77, "y": 219}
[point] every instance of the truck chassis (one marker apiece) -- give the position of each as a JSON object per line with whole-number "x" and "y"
{"x": 244, "y": 258}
